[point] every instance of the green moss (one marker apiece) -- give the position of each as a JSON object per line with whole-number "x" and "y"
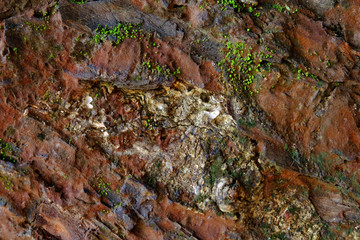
{"x": 154, "y": 68}
{"x": 6, "y": 182}
{"x": 38, "y": 27}
{"x": 278, "y": 7}
{"x": 236, "y": 5}
{"x": 119, "y": 32}
{"x": 242, "y": 64}
{"x": 7, "y": 153}
{"x": 78, "y": 1}
{"x": 150, "y": 124}
{"x": 284, "y": 8}
{"x": 102, "y": 187}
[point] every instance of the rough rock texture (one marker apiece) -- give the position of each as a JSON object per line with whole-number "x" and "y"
{"x": 157, "y": 136}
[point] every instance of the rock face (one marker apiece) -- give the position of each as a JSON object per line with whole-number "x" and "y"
{"x": 179, "y": 119}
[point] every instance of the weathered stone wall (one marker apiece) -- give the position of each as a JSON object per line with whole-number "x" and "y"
{"x": 179, "y": 119}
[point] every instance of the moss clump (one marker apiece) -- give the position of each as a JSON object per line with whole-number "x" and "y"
{"x": 118, "y": 33}
{"x": 241, "y": 64}
{"x": 78, "y": 1}
{"x": 6, "y": 182}
{"x": 157, "y": 69}
{"x": 7, "y": 153}
{"x": 236, "y": 5}
{"x": 101, "y": 187}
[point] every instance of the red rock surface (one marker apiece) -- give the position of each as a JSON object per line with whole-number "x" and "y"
{"x": 109, "y": 141}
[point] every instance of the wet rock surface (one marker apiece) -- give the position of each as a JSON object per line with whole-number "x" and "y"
{"x": 179, "y": 120}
